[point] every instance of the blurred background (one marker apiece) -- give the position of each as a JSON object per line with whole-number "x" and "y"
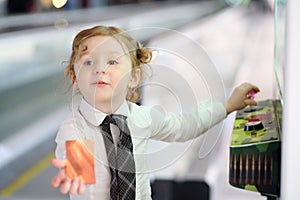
{"x": 239, "y": 40}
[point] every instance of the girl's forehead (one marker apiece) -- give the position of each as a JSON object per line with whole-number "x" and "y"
{"x": 103, "y": 43}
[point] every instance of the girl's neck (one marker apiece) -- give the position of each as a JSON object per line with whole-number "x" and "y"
{"x": 108, "y": 107}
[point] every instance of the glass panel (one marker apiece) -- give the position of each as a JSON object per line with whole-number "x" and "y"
{"x": 279, "y": 60}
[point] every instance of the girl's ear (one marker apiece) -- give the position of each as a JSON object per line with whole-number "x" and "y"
{"x": 135, "y": 78}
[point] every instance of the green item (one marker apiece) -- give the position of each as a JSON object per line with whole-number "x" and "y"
{"x": 255, "y": 149}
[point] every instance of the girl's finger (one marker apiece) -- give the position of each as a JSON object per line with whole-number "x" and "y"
{"x": 250, "y": 102}
{"x": 65, "y": 186}
{"x": 74, "y": 186}
{"x": 81, "y": 188}
{"x": 58, "y": 179}
{"x": 59, "y": 163}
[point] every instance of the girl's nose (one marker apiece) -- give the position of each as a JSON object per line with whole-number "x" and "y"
{"x": 100, "y": 68}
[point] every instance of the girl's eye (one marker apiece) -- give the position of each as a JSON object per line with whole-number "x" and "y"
{"x": 113, "y": 62}
{"x": 88, "y": 62}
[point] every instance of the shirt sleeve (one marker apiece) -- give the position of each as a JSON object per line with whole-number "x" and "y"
{"x": 171, "y": 127}
{"x": 68, "y": 130}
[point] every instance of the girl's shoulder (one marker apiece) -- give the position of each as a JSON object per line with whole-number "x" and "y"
{"x": 73, "y": 122}
{"x": 140, "y": 114}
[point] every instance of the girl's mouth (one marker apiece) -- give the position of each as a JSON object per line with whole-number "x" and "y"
{"x": 100, "y": 83}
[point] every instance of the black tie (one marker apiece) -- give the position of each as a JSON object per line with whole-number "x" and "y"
{"x": 120, "y": 160}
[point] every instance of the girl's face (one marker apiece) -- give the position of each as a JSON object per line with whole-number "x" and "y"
{"x": 104, "y": 73}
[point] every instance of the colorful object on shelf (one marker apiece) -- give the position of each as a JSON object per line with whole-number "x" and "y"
{"x": 255, "y": 148}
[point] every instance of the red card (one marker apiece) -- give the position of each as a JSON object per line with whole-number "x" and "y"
{"x": 80, "y": 160}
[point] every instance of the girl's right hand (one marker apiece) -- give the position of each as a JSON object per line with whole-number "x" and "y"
{"x": 66, "y": 185}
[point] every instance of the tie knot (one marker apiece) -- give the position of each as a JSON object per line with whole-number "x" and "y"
{"x": 116, "y": 119}
{"x": 108, "y": 120}
{"x": 119, "y": 117}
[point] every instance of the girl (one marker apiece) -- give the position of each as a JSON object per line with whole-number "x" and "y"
{"x": 107, "y": 67}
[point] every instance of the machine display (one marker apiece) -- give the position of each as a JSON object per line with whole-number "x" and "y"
{"x": 255, "y": 148}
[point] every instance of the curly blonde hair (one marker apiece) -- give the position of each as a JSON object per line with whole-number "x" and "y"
{"x": 139, "y": 55}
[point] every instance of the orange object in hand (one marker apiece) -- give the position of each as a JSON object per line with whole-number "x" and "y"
{"x": 80, "y": 160}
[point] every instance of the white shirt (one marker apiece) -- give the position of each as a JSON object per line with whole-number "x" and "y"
{"x": 144, "y": 123}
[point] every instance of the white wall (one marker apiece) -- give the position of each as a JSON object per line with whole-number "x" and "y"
{"x": 291, "y": 134}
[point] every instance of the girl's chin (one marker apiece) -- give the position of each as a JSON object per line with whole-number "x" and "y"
{"x": 100, "y": 99}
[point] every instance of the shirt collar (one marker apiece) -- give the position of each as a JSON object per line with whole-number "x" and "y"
{"x": 95, "y": 116}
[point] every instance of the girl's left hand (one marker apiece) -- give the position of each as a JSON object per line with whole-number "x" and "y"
{"x": 242, "y": 96}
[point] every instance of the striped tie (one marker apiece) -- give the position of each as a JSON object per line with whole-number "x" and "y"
{"x": 120, "y": 159}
